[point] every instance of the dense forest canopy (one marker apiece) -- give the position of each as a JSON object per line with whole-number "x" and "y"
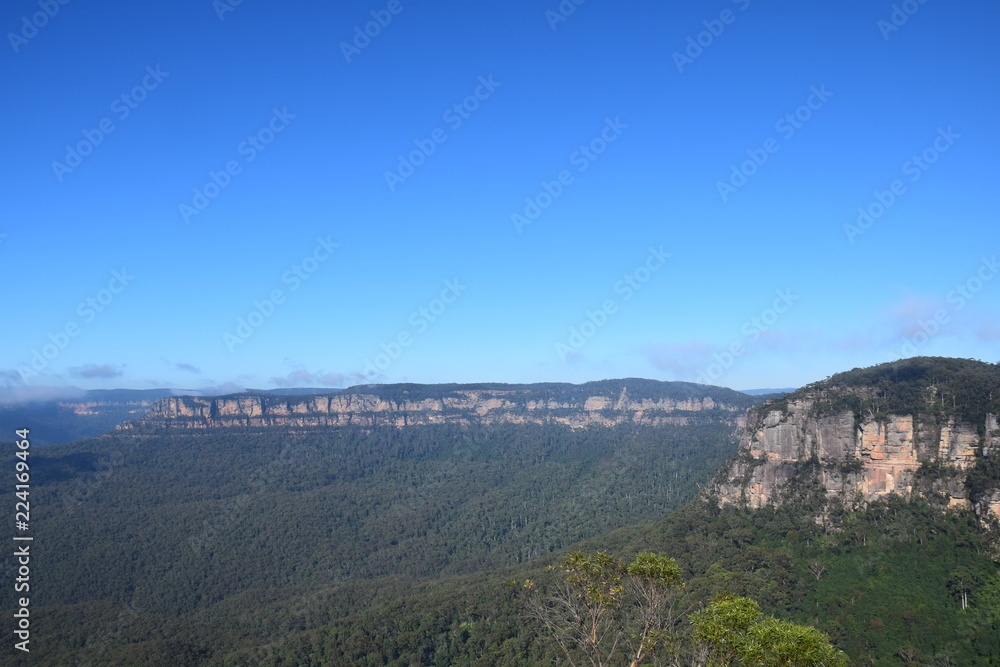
{"x": 200, "y": 516}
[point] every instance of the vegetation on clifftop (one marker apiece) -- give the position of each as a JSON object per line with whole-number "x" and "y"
{"x": 939, "y": 386}
{"x": 562, "y": 392}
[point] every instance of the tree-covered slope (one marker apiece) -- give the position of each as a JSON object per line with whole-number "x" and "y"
{"x": 898, "y": 583}
{"x": 176, "y": 523}
{"x": 887, "y": 586}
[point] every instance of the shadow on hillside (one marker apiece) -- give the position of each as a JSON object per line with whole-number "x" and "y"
{"x": 49, "y": 470}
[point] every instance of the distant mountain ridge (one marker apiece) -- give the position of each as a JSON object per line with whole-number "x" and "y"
{"x": 84, "y": 415}
{"x": 604, "y": 402}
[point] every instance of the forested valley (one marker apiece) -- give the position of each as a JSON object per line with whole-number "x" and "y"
{"x": 222, "y": 531}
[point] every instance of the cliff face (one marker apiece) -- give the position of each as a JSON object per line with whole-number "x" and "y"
{"x": 859, "y": 458}
{"x": 459, "y": 406}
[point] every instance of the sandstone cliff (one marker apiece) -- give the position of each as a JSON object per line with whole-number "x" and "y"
{"x": 862, "y": 453}
{"x": 422, "y": 404}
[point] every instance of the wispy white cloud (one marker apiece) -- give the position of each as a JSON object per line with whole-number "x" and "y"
{"x": 15, "y": 394}
{"x": 90, "y": 371}
{"x": 880, "y": 331}
{"x": 989, "y": 330}
{"x": 304, "y": 378}
{"x": 906, "y": 316}
{"x": 683, "y": 359}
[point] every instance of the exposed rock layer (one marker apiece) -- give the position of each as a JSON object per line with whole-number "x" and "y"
{"x": 493, "y": 406}
{"x": 859, "y": 458}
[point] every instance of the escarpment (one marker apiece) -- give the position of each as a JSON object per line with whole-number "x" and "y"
{"x": 920, "y": 426}
{"x": 605, "y": 403}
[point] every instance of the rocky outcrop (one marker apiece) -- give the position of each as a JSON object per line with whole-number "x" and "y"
{"x": 859, "y": 458}
{"x": 461, "y": 406}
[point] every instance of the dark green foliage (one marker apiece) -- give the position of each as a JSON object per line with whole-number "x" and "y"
{"x": 603, "y": 611}
{"x": 262, "y": 510}
{"x": 885, "y": 579}
{"x": 876, "y": 581}
{"x": 733, "y": 631}
{"x": 262, "y": 531}
{"x": 983, "y": 479}
{"x": 963, "y": 388}
{"x": 850, "y": 466}
{"x": 938, "y": 482}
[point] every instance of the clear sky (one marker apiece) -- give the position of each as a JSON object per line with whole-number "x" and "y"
{"x": 264, "y": 194}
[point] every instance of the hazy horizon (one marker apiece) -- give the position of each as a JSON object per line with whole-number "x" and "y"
{"x": 40, "y": 394}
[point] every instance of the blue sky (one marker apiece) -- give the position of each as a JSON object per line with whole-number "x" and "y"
{"x": 214, "y": 195}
